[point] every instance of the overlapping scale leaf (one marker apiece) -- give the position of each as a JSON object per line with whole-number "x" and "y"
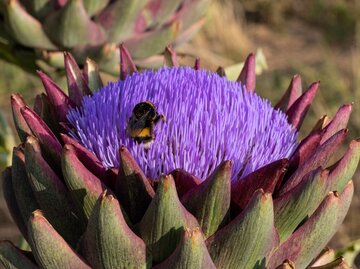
{"x": 44, "y": 108}
{"x": 49, "y": 248}
{"x": 297, "y": 111}
{"x": 248, "y": 239}
{"x": 38, "y": 8}
{"x": 307, "y": 241}
{"x": 339, "y": 122}
{"x": 293, "y": 92}
{"x": 164, "y": 221}
{"x": 22, "y": 128}
{"x": 291, "y": 208}
{"x": 319, "y": 157}
{"x": 51, "y": 193}
{"x": 184, "y": 181}
{"x": 14, "y": 258}
{"x": 209, "y": 202}
{"x": 266, "y": 178}
{"x": 59, "y": 100}
{"x": 86, "y": 157}
{"x": 24, "y": 197}
{"x": 76, "y": 83}
{"x": 93, "y": 7}
{"x": 108, "y": 241}
{"x": 132, "y": 187}
{"x": 84, "y": 187}
{"x": 191, "y": 253}
{"x": 158, "y": 13}
{"x": 119, "y": 19}
{"x": 71, "y": 26}
{"x": 92, "y": 75}
{"x": 342, "y": 171}
{"x": 149, "y": 43}
{"x": 49, "y": 143}
{"x": 11, "y": 202}
{"x": 24, "y": 28}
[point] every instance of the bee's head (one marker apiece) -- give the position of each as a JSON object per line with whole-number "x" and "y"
{"x": 144, "y": 108}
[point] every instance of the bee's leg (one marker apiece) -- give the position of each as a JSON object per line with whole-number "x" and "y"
{"x": 159, "y": 117}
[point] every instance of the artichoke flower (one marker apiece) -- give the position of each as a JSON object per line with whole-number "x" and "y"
{"x": 41, "y": 30}
{"x": 225, "y": 183}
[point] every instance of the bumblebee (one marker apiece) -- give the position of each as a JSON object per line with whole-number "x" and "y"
{"x": 140, "y": 125}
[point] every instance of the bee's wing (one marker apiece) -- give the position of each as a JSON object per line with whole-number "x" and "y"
{"x": 136, "y": 126}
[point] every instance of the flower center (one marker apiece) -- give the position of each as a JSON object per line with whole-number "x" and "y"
{"x": 208, "y": 120}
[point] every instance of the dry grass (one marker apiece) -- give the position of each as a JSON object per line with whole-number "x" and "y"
{"x": 223, "y": 41}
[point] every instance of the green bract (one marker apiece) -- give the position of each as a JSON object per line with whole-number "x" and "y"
{"x": 94, "y": 28}
{"x": 74, "y": 213}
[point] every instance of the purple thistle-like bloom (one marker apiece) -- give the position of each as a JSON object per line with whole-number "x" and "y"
{"x": 208, "y": 120}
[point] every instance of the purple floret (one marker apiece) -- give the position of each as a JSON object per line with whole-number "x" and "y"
{"x": 208, "y": 120}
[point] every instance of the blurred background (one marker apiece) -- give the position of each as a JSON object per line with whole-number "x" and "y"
{"x": 318, "y": 39}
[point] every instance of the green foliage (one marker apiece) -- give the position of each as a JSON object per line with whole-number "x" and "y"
{"x": 7, "y": 142}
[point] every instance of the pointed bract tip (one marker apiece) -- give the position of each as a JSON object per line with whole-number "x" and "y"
{"x": 259, "y": 192}
{"x": 18, "y": 150}
{"x": 122, "y": 149}
{"x": 17, "y": 98}
{"x": 167, "y": 181}
{"x": 354, "y": 143}
{"x": 103, "y": 194}
{"x": 170, "y": 57}
{"x": 107, "y": 195}
{"x": 296, "y": 81}
{"x": 39, "y": 72}
{"x": 324, "y": 173}
{"x": 166, "y": 177}
{"x": 321, "y": 124}
{"x": 348, "y": 106}
{"x": 67, "y": 54}
{"x": 221, "y": 71}
{"x": 298, "y": 110}
{"x": 247, "y": 75}
{"x": 31, "y": 140}
{"x": 287, "y": 264}
{"x": 89, "y": 62}
{"x": 193, "y": 233}
{"x": 251, "y": 55}
{"x": 127, "y": 65}
{"x": 37, "y": 214}
{"x": 349, "y": 184}
{"x": 227, "y": 164}
{"x": 197, "y": 63}
{"x": 68, "y": 147}
{"x": 267, "y": 195}
{"x": 69, "y": 59}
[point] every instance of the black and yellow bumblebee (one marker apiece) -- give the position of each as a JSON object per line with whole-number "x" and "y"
{"x": 140, "y": 125}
